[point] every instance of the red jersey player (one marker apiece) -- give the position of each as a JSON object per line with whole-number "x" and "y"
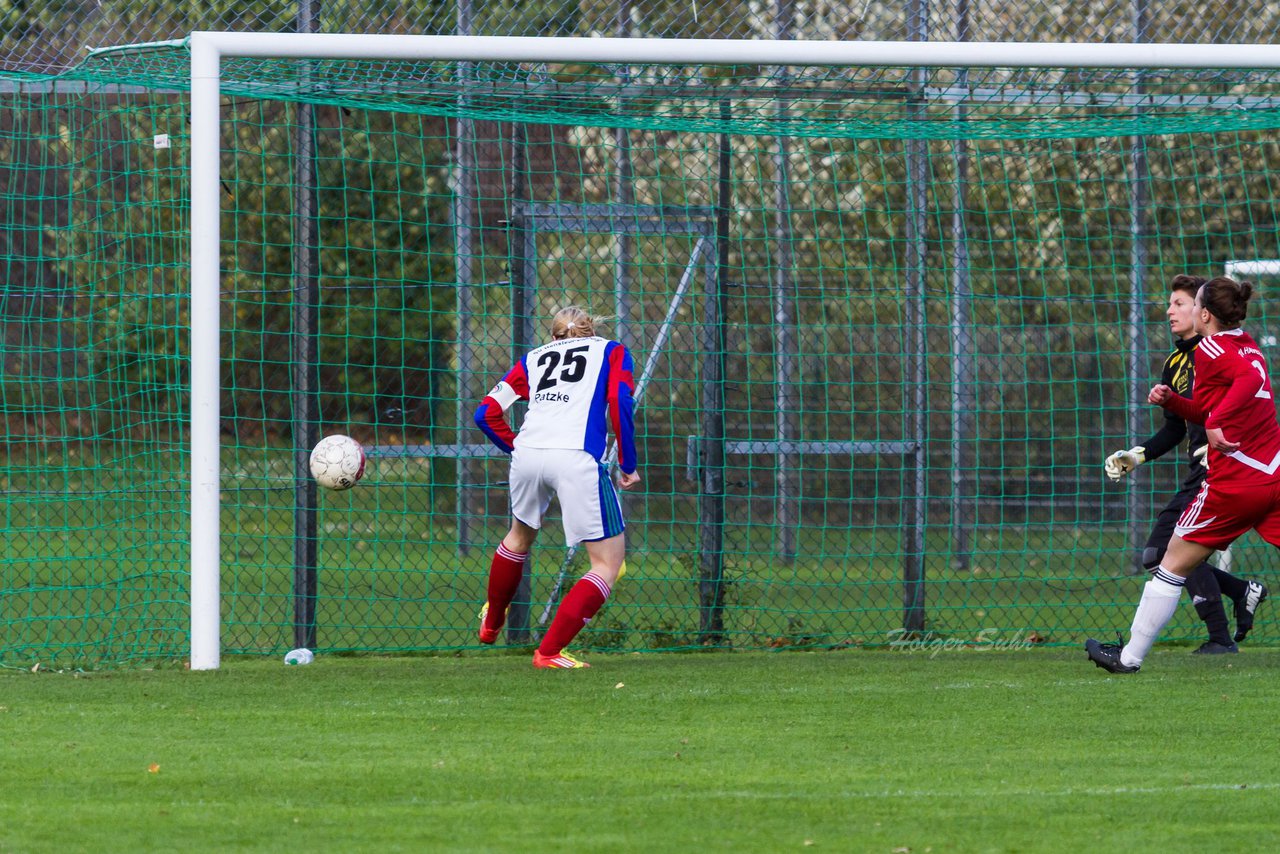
{"x": 1233, "y": 399}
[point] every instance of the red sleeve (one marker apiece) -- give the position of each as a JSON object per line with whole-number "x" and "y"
{"x": 518, "y": 379}
{"x": 1188, "y": 409}
{"x": 491, "y": 417}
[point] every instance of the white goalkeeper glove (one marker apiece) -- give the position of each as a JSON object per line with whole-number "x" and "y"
{"x": 1121, "y": 463}
{"x": 1201, "y": 455}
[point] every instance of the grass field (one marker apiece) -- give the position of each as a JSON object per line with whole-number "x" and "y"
{"x": 931, "y": 750}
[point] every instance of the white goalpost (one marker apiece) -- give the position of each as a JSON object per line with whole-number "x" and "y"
{"x": 208, "y": 49}
{"x": 1256, "y": 267}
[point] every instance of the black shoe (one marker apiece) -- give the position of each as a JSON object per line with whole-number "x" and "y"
{"x": 1245, "y": 608}
{"x": 1107, "y": 656}
{"x": 1215, "y": 648}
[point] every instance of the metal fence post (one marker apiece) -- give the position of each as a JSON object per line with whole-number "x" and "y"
{"x": 787, "y": 478}
{"x": 915, "y": 505}
{"x": 305, "y": 344}
{"x": 711, "y": 501}
{"x": 1139, "y": 262}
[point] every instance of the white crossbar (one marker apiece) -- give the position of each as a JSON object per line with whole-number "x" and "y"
{"x": 738, "y": 51}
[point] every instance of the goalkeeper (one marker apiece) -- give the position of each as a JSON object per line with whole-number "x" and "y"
{"x": 1207, "y": 583}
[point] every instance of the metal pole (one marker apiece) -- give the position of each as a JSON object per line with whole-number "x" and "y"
{"x": 625, "y": 194}
{"x": 1139, "y": 499}
{"x": 784, "y": 320}
{"x": 963, "y": 363}
{"x": 464, "y": 215}
{"x": 711, "y": 500}
{"x": 915, "y": 507}
{"x": 524, "y": 277}
{"x": 524, "y": 272}
{"x": 306, "y": 323}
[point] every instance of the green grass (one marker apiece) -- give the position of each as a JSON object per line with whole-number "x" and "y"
{"x": 855, "y": 750}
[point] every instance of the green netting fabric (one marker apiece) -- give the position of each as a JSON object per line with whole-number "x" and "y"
{"x": 860, "y": 103}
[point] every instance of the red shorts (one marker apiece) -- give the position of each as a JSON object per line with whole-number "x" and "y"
{"x": 1223, "y": 512}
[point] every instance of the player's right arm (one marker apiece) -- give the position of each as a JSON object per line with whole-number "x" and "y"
{"x": 491, "y": 417}
{"x": 1189, "y": 409}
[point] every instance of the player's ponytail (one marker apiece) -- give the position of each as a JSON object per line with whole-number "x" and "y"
{"x": 1227, "y": 300}
{"x": 573, "y": 322}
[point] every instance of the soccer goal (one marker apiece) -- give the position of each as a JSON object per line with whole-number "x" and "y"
{"x": 893, "y": 302}
{"x": 674, "y": 66}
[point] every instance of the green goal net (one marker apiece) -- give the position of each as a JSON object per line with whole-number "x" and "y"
{"x": 888, "y": 322}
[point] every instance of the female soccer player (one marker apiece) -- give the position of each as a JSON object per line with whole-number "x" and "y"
{"x": 575, "y": 385}
{"x": 1233, "y": 400}
{"x": 1206, "y": 583}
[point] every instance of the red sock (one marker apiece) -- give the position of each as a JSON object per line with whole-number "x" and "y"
{"x": 505, "y": 573}
{"x": 577, "y": 608}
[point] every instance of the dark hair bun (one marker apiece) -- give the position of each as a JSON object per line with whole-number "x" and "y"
{"x": 1227, "y": 300}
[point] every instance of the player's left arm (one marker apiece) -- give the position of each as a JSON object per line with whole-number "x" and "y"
{"x": 620, "y": 399}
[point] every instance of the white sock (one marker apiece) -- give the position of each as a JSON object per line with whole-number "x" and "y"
{"x": 1159, "y": 600}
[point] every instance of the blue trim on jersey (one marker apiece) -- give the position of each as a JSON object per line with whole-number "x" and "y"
{"x": 627, "y": 424}
{"x": 598, "y": 415}
{"x": 483, "y": 423}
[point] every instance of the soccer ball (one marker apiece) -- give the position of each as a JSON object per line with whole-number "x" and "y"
{"x": 337, "y": 462}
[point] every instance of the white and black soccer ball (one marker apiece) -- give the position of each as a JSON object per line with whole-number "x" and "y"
{"x": 337, "y": 462}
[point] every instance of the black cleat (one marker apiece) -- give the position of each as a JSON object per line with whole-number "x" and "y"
{"x": 1215, "y": 648}
{"x": 1107, "y": 656}
{"x": 1245, "y": 608}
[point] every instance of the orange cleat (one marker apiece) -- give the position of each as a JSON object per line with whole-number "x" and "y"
{"x": 488, "y": 635}
{"x": 560, "y": 661}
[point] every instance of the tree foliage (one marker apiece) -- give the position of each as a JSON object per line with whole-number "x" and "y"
{"x": 115, "y": 244}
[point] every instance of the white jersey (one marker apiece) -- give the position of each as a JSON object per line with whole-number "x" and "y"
{"x": 577, "y": 389}
{"x": 565, "y": 393}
